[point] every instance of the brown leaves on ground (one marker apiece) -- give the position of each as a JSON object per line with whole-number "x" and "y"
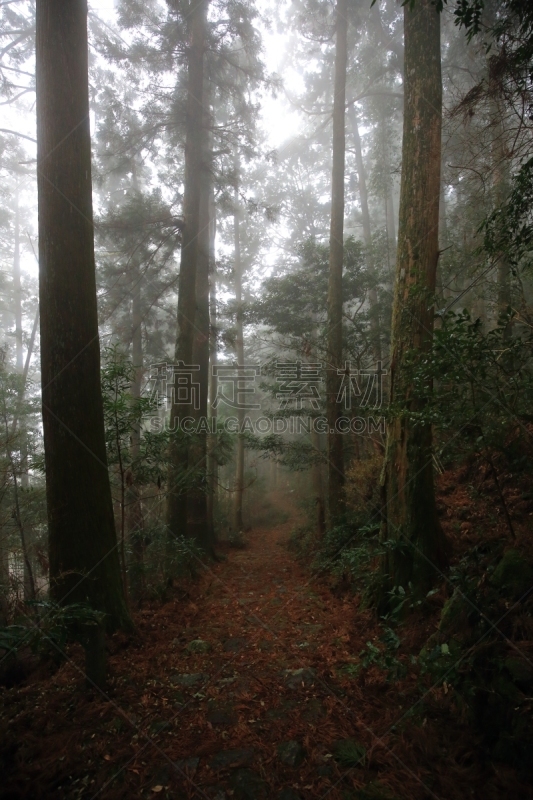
{"x": 185, "y": 723}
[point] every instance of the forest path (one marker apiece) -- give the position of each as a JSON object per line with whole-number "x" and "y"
{"x": 238, "y": 691}
{"x": 246, "y": 675}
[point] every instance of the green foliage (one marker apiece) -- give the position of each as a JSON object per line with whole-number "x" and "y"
{"x": 509, "y": 229}
{"x": 22, "y": 507}
{"x": 124, "y": 414}
{"x": 162, "y": 556}
{"x": 138, "y": 471}
{"x": 349, "y": 753}
{"x": 348, "y": 551}
{"x": 291, "y": 303}
{"x": 236, "y": 540}
{"x": 138, "y": 234}
{"x": 297, "y": 455}
{"x": 179, "y": 556}
{"x": 513, "y": 575}
{"x": 374, "y": 791}
{"x": 478, "y": 383}
{"x": 51, "y": 627}
{"x": 122, "y": 411}
{"x": 382, "y": 655}
{"x": 401, "y": 600}
{"x": 478, "y": 655}
{"x": 303, "y": 540}
{"x": 513, "y": 25}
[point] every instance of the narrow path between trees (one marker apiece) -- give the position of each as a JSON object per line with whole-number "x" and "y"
{"x": 242, "y": 689}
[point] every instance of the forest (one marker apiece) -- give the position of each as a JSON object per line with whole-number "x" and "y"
{"x": 266, "y": 399}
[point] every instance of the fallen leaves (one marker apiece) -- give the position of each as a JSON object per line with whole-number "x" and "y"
{"x": 322, "y": 707}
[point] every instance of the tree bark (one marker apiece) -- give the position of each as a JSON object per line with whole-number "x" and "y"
{"x": 273, "y": 477}
{"x": 375, "y": 328}
{"x": 336, "y": 493}
{"x": 84, "y": 563}
{"x": 500, "y": 185}
{"x": 5, "y": 589}
{"x": 238, "y": 523}
{"x": 212, "y": 464}
{"x": 17, "y": 288}
{"x": 388, "y": 197}
{"x": 391, "y": 228}
{"x": 318, "y": 488}
{"x": 134, "y": 518}
{"x": 179, "y": 455}
{"x": 26, "y": 531}
{"x": 410, "y": 516}
{"x": 199, "y": 527}
{"x": 441, "y": 290}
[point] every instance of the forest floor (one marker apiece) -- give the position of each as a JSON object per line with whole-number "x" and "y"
{"x": 241, "y": 688}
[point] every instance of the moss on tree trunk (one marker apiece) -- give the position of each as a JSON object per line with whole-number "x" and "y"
{"x": 410, "y": 516}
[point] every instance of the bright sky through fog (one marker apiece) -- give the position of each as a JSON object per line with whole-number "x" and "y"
{"x": 279, "y": 120}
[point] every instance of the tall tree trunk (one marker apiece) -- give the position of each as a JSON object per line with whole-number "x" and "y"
{"x": 238, "y": 495}
{"x": 84, "y": 563}
{"x": 198, "y": 523}
{"x": 212, "y": 464}
{"x": 442, "y": 291}
{"x": 410, "y": 516}
{"x": 317, "y": 481}
{"x": 336, "y": 493}
{"x": 318, "y": 486}
{"x": 500, "y": 182}
{"x": 391, "y": 227}
{"x": 29, "y": 582}
{"x": 26, "y": 531}
{"x": 443, "y": 222}
{"x": 134, "y": 517}
{"x": 17, "y": 288}
{"x": 375, "y": 328}
{"x": 179, "y": 456}
{"x": 22, "y": 387}
{"x": 273, "y": 477}
{"x": 5, "y": 589}
{"x": 388, "y": 196}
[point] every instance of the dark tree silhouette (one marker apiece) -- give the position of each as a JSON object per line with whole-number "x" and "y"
{"x": 84, "y": 563}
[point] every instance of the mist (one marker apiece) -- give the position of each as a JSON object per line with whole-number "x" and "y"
{"x": 265, "y": 399}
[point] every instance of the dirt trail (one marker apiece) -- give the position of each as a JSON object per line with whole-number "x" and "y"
{"x": 237, "y": 692}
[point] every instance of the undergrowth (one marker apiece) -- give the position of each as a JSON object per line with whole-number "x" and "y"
{"x": 46, "y": 629}
{"x": 153, "y": 557}
{"x": 475, "y": 660}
